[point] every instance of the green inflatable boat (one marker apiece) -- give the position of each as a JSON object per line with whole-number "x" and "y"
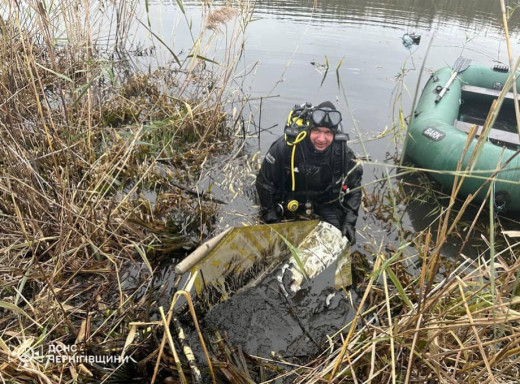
{"x": 454, "y": 102}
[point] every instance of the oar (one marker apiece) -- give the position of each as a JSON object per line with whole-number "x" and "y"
{"x": 461, "y": 64}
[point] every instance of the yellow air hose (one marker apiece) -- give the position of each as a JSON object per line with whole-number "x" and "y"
{"x": 295, "y": 121}
{"x": 302, "y": 135}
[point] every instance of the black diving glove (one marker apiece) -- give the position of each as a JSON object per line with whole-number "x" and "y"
{"x": 271, "y": 216}
{"x": 350, "y": 232}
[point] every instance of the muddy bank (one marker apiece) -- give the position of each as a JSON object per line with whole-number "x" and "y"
{"x": 270, "y": 322}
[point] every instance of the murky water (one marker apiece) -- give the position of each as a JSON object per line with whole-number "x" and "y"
{"x": 288, "y": 46}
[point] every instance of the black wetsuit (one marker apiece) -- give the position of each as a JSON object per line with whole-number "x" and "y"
{"x": 318, "y": 179}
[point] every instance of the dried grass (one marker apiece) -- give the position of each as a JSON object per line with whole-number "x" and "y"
{"x": 220, "y": 16}
{"x": 83, "y": 138}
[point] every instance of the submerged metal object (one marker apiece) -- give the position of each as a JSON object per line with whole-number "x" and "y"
{"x": 319, "y": 249}
{"x": 242, "y": 256}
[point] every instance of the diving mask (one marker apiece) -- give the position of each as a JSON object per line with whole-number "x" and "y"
{"x": 325, "y": 117}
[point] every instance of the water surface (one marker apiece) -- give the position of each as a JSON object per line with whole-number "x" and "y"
{"x": 371, "y": 74}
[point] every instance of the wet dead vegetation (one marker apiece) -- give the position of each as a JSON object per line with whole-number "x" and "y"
{"x": 99, "y": 166}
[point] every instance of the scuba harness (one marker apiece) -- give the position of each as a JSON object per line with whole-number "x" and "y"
{"x": 295, "y": 131}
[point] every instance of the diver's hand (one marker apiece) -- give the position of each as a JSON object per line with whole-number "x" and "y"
{"x": 350, "y": 232}
{"x": 271, "y": 216}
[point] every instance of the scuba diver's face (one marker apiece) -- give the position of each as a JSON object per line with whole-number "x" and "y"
{"x": 321, "y": 137}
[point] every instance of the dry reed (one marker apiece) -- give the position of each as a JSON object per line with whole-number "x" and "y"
{"x": 84, "y": 137}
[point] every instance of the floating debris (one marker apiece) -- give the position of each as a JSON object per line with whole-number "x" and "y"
{"x": 410, "y": 39}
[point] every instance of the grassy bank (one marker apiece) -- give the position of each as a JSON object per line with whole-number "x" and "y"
{"x": 99, "y": 158}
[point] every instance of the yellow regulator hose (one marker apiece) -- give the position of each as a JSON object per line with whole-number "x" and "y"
{"x": 302, "y": 135}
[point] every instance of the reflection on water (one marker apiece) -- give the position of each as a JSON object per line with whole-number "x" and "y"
{"x": 474, "y": 14}
{"x": 391, "y": 13}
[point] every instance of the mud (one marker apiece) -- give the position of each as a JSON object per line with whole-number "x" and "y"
{"x": 267, "y": 321}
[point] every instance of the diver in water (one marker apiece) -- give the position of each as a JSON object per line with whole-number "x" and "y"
{"x": 311, "y": 170}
